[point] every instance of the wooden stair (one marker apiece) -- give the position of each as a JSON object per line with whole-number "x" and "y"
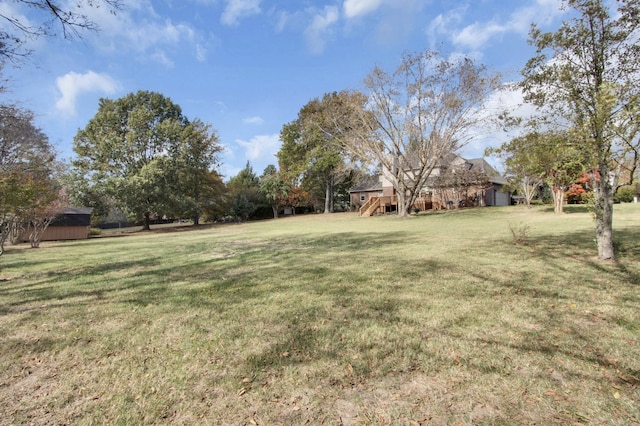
{"x": 370, "y": 206}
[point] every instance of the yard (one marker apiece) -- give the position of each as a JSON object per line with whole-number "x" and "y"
{"x": 328, "y": 319}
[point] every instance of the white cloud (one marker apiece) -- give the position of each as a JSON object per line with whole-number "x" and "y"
{"x": 355, "y": 8}
{"x": 253, "y": 120}
{"x": 443, "y": 23}
{"x": 478, "y": 34}
{"x": 72, "y": 85}
{"x": 320, "y": 28}
{"x": 491, "y": 133}
{"x": 237, "y": 9}
{"x": 260, "y": 148}
{"x": 137, "y": 27}
{"x": 162, "y": 58}
{"x": 201, "y": 53}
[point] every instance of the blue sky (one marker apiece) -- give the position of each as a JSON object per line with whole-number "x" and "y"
{"x": 247, "y": 66}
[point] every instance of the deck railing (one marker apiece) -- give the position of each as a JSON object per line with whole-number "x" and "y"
{"x": 370, "y": 206}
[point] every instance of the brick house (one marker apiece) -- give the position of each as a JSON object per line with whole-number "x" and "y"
{"x": 377, "y": 195}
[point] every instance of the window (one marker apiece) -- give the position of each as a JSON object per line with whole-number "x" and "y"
{"x": 363, "y": 196}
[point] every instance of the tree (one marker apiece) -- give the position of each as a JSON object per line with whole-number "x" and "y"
{"x": 244, "y": 192}
{"x": 550, "y": 157}
{"x": 43, "y": 210}
{"x": 293, "y": 164}
{"x": 241, "y": 207}
{"x": 142, "y": 152}
{"x": 415, "y": 115}
{"x": 274, "y": 189}
{"x": 246, "y": 182}
{"x": 197, "y": 154}
{"x": 585, "y": 76}
{"x": 47, "y": 19}
{"x": 215, "y": 197}
{"x": 313, "y": 145}
{"x": 454, "y": 183}
{"x": 27, "y": 162}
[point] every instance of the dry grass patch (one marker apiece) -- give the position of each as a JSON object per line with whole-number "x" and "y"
{"x": 438, "y": 319}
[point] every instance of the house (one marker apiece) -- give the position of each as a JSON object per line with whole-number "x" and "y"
{"x": 72, "y": 224}
{"x": 474, "y": 183}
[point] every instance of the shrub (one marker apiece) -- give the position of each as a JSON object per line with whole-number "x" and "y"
{"x": 520, "y": 234}
{"x": 624, "y": 194}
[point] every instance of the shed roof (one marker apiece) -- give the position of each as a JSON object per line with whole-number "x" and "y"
{"x": 73, "y": 216}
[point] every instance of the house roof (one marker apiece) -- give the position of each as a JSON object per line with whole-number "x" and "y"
{"x": 371, "y": 184}
{"x": 482, "y": 165}
{"x": 475, "y": 164}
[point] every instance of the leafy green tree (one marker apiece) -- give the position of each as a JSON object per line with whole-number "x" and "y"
{"x": 274, "y": 189}
{"x": 247, "y": 183}
{"x": 82, "y": 193}
{"x": 585, "y": 76}
{"x": 241, "y": 207}
{"x": 27, "y": 166}
{"x": 141, "y": 151}
{"x": 215, "y": 197}
{"x": 548, "y": 157}
{"x": 293, "y": 164}
{"x": 313, "y": 145}
{"x": 199, "y": 188}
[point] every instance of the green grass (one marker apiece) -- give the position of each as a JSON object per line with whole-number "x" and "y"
{"x": 443, "y": 318}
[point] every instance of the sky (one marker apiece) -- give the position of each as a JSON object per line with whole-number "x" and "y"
{"x": 247, "y": 67}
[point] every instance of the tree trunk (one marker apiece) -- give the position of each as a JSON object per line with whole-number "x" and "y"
{"x": 5, "y": 230}
{"x": 37, "y": 229}
{"x": 558, "y": 200}
{"x": 196, "y": 198}
{"x": 17, "y": 228}
{"x": 327, "y": 202}
{"x": 328, "y": 197}
{"x": 146, "y": 225}
{"x": 404, "y": 207}
{"x": 603, "y": 209}
{"x": 275, "y": 211}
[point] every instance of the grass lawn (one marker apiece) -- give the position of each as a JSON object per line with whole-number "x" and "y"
{"x": 328, "y": 319}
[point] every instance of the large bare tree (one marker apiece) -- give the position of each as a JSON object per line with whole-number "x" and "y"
{"x": 416, "y": 114}
{"x": 45, "y": 18}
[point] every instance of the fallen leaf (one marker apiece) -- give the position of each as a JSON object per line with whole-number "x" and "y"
{"x": 616, "y": 395}
{"x": 243, "y": 390}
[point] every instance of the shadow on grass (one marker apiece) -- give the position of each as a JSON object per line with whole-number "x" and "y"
{"x": 558, "y": 248}
{"x": 242, "y": 271}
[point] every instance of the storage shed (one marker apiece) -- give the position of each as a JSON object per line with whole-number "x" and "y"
{"x": 72, "y": 224}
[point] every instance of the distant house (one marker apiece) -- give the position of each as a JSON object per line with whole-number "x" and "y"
{"x": 72, "y": 224}
{"x": 377, "y": 195}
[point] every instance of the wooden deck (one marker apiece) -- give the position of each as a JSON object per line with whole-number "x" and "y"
{"x": 388, "y": 204}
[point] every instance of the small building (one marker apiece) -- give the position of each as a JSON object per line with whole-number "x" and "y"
{"x": 72, "y": 224}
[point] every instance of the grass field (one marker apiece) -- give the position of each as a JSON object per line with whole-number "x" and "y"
{"x": 437, "y": 319}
